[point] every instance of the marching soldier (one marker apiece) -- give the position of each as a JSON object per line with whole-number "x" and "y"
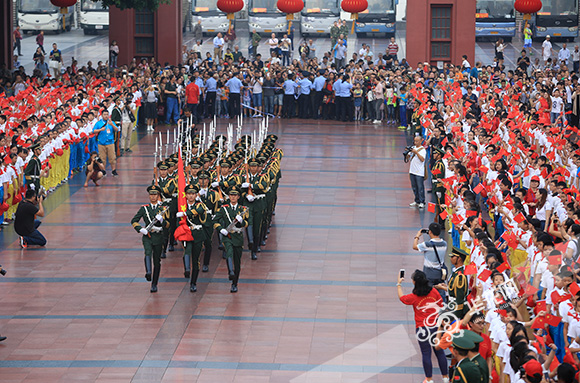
{"x": 168, "y": 188}
{"x": 255, "y": 185}
{"x": 230, "y": 220}
{"x": 465, "y": 370}
{"x": 194, "y": 169}
{"x": 211, "y": 201}
{"x": 475, "y": 357}
{"x": 196, "y": 216}
{"x": 154, "y": 216}
{"x": 438, "y": 172}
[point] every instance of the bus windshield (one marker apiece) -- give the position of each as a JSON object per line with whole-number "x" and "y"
{"x": 495, "y": 9}
{"x": 262, "y": 6}
{"x": 328, "y": 7}
{"x": 36, "y": 6}
{"x": 380, "y": 6}
{"x": 204, "y": 5}
{"x": 559, "y": 8}
{"x": 89, "y": 5}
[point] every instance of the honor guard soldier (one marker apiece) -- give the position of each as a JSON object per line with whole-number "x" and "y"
{"x": 458, "y": 286}
{"x": 465, "y": 370}
{"x": 475, "y": 357}
{"x": 255, "y": 186}
{"x": 196, "y": 216}
{"x": 194, "y": 169}
{"x": 225, "y": 179}
{"x": 168, "y": 187}
{"x": 33, "y": 170}
{"x": 211, "y": 201}
{"x": 172, "y": 173}
{"x": 230, "y": 220}
{"x": 438, "y": 171}
{"x": 154, "y": 216}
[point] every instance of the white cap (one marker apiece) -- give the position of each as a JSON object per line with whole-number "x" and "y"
{"x": 547, "y": 36}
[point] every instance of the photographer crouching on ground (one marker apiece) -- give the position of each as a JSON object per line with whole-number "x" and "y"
{"x": 433, "y": 255}
{"x": 25, "y": 223}
{"x": 416, "y": 155}
{"x": 95, "y": 169}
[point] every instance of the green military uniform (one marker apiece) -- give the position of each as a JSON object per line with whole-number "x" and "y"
{"x": 478, "y": 359}
{"x": 233, "y": 240}
{"x": 465, "y": 371}
{"x": 256, "y": 38}
{"x": 211, "y": 201}
{"x": 196, "y": 217}
{"x": 438, "y": 172}
{"x": 255, "y": 187}
{"x": 168, "y": 187}
{"x": 343, "y": 30}
{"x": 33, "y": 169}
{"x": 458, "y": 286}
{"x": 172, "y": 163}
{"x": 334, "y": 32}
{"x": 153, "y": 238}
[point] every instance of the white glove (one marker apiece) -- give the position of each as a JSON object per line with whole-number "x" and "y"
{"x": 224, "y": 232}
{"x": 250, "y": 198}
{"x": 215, "y": 184}
{"x": 180, "y": 214}
{"x": 239, "y": 218}
{"x": 202, "y": 192}
{"x": 246, "y": 185}
{"x": 198, "y": 199}
{"x": 159, "y": 218}
{"x": 143, "y": 231}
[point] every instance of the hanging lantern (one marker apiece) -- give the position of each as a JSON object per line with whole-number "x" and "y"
{"x": 290, "y": 7}
{"x": 230, "y": 7}
{"x": 527, "y": 7}
{"x": 63, "y": 5}
{"x": 354, "y": 7}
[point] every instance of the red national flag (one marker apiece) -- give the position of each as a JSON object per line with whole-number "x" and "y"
{"x": 470, "y": 269}
{"x": 436, "y": 172}
{"x": 431, "y": 207}
{"x": 503, "y": 267}
{"x": 539, "y": 322}
{"x": 553, "y": 320}
{"x": 520, "y": 218}
{"x": 443, "y": 214}
{"x": 471, "y": 213}
{"x": 530, "y": 290}
{"x": 485, "y": 274}
{"x": 573, "y": 288}
{"x": 478, "y": 189}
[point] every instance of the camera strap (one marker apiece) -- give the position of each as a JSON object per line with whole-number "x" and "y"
{"x": 436, "y": 253}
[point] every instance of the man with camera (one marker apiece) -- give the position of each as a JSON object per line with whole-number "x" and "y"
{"x": 416, "y": 156}
{"x": 25, "y": 222}
{"x": 95, "y": 169}
{"x": 433, "y": 254}
{"x": 105, "y": 129}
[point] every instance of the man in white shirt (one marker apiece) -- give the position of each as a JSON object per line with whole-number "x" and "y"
{"x": 273, "y": 43}
{"x": 576, "y": 58}
{"x": 563, "y": 55}
{"x": 218, "y": 44}
{"x": 417, "y": 172}
{"x": 557, "y": 105}
{"x": 546, "y": 49}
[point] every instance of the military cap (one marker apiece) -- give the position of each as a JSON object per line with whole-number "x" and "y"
{"x": 195, "y": 163}
{"x": 205, "y": 158}
{"x": 462, "y": 341}
{"x": 171, "y": 162}
{"x": 262, "y": 158}
{"x": 191, "y": 189}
{"x": 173, "y": 156}
{"x": 35, "y": 146}
{"x": 253, "y": 162}
{"x": 154, "y": 189}
{"x": 234, "y": 190}
{"x": 225, "y": 163}
{"x": 459, "y": 253}
{"x": 243, "y": 139}
{"x": 162, "y": 165}
{"x": 203, "y": 174}
{"x": 475, "y": 338}
{"x": 438, "y": 150}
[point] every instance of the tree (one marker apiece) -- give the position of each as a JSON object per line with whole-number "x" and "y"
{"x": 150, "y": 5}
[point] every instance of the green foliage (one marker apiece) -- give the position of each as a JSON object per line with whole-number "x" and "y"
{"x": 141, "y": 5}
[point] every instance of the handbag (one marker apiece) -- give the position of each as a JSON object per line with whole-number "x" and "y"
{"x": 161, "y": 110}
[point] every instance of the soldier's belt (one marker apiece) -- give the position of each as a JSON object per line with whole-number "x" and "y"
{"x": 196, "y": 227}
{"x": 156, "y": 229}
{"x": 166, "y": 199}
{"x": 33, "y": 177}
{"x": 174, "y": 195}
{"x": 260, "y": 196}
{"x": 236, "y": 230}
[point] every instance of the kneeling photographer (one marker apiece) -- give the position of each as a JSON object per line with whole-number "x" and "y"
{"x": 416, "y": 155}
{"x": 433, "y": 255}
{"x": 95, "y": 169}
{"x": 25, "y": 222}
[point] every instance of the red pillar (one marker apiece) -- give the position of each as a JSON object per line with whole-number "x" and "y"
{"x": 165, "y": 37}
{"x": 428, "y": 37}
{"x": 6, "y": 29}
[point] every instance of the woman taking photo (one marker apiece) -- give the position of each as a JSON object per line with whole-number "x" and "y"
{"x": 426, "y": 302}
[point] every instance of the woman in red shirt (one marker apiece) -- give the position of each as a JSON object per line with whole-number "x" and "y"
{"x": 426, "y": 302}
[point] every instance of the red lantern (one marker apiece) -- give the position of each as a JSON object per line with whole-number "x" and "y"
{"x": 63, "y": 3}
{"x": 527, "y": 7}
{"x": 354, "y": 7}
{"x": 230, "y": 7}
{"x": 290, "y": 7}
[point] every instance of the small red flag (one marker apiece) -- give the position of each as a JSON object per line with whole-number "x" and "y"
{"x": 520, "y": 218}
{"x": 478, "y": 189}
{"x": 431, "y": 207}
{"x": 573, "y": 288}
{"x": 443, "y": 214}
{"x": 503, "y": 267}
{"x": 470, "y": 269}
{"x": 485, "y": 274}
